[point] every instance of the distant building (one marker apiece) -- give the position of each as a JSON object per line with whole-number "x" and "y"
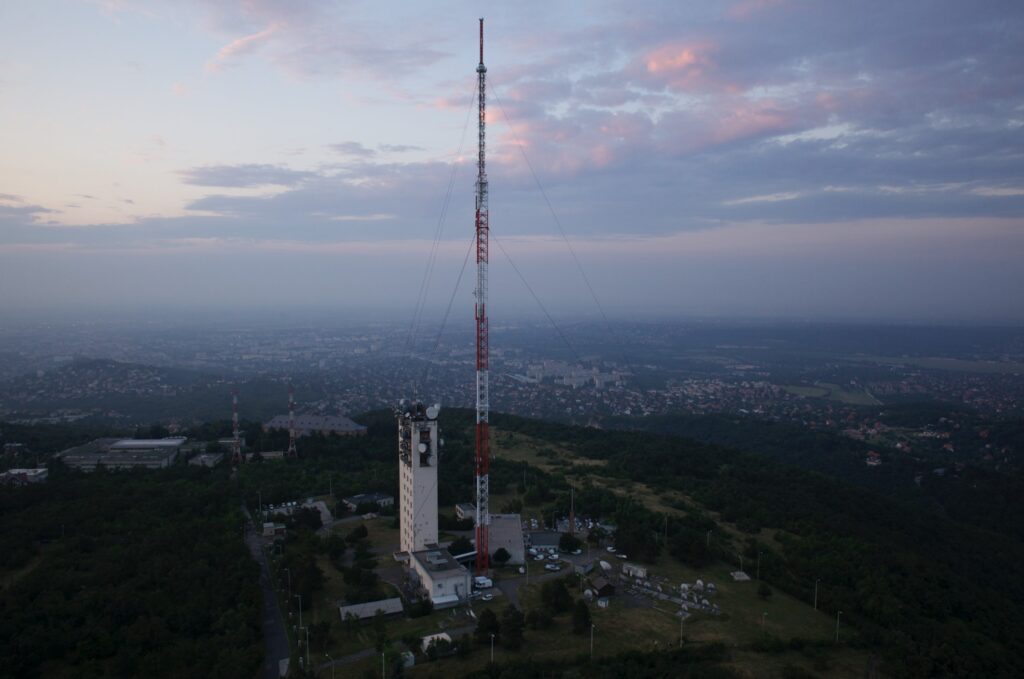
{"x": 206, "y": 460}
{"x": 124, "y": 454}
{"x": 379, "y": 499}
{"x": 440, "y": 576}
{"x": 23, "y": 477}
{"x": 368, "y": 610}
{"x": 547, "y": 539}
{"x": 507, "y": 531}
{"x": 602, "y": 586}
{"x": 465, "y": 510}
{"x": 634, "y": 570}
{"x": 322, "y": 424}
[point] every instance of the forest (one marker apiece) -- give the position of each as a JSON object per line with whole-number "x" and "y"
{"x": 126, "y": 575}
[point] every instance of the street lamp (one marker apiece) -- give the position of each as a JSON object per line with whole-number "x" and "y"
{"x": 680, "y": 628}
{"x": 299, "y": 597}
{"x": 741, "y": 561}
{"x": 331, "y": 660}
{"x": 492, "y": 649}
{"x": 837, "y": 625}
{"x": 764, "y": 616}
{"x": 816, "y": 593}
{"x": 592, "y": 626}
{"x": 709, "y": 542}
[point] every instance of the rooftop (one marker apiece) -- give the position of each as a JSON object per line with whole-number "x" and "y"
{"x": 436, "y": 560}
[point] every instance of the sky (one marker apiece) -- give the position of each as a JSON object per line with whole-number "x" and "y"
{"x": 754, "y": 158}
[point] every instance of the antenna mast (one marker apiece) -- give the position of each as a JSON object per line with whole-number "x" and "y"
{"x": 236, "y": 443}
{"x": 483, "y": 441}
{"x": 292, "y": 452}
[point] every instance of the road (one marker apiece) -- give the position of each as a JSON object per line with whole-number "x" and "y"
{"x": 274, "y": 636}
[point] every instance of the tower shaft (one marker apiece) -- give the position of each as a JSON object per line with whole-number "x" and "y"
{"x": 236, "y": 442}
{"x": 292, "y": 451}
{"x": 483, "y": 443}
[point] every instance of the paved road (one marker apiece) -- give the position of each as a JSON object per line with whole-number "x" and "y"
{"x": 274, "y": 636}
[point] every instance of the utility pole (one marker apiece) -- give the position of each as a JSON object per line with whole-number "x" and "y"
{"x": 483, "y": 437}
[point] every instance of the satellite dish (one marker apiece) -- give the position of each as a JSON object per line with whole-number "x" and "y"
{"x": 433, "y": 411}
{"x": 423, "y": 447}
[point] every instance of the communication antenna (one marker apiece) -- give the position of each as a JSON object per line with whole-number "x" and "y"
{"x": 483, "y": 441}
{"x": 236, "y": 443}
{"x": 292, "y": 452}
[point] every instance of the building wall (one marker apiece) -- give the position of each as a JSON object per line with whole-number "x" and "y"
{"x": 442, "y": 583}
{"x": 417, "y": 475}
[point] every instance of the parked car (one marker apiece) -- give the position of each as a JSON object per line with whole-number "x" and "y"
{"x": 610, "y": 550}
{"x": 539, "y": 557}
{"x": 552, "y": 567}
{"x": 553, "y": 557}
{"x": 487, "y": 597}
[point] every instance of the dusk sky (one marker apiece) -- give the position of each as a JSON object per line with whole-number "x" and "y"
{"x": 768, "y": 158}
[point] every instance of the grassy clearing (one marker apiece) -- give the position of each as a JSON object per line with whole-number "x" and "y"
{"x": 951, "y": 364}
{"x": 833, "y": 392}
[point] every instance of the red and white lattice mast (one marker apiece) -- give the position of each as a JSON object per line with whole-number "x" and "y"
{"x": 236, "y": 442}
{"x": 292, "y": 451}
{"x": 483, "y": 441}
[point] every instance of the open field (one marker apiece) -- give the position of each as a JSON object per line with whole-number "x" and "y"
{"x": 833, "y": 392}
{"x": 952, "y": 364}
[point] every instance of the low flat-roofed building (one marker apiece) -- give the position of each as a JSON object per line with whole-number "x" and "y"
{"x": 323, "y": 424}
{"x": 634, "y": 570}
{"x": 124, "y": 453}
{"x": 548, "y": 539}
{"x": 379, "y": 499}
{"x": 23, "y": 477}
{"x": 206, "y": 459}
{"x": 507, "y": 531}
{"x": 465, "y": 510}
{"x": 368, "y": 610}
{"x": 440, "y": 576}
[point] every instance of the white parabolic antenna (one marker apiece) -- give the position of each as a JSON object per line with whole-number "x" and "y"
{"x": 423, "y": 447}
{"x": 433, "y": 411}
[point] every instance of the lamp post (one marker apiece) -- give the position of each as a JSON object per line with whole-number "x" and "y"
{"x": 492, "y": 649}
{"x": 382, "y": 666}
{"x": 837, "y": 625}
{"x": 680, "y": 629}
{"x": 816, "y": 581}
{"x": 741, "y": 562}
{"x": 759, "y": 565}
{"x": 709, "y": 542}
{"x": 299, "y": 597}
{"x": 331, "y": 660}
{"x": 592, "y": 627}
{"x": 764, "y": 616}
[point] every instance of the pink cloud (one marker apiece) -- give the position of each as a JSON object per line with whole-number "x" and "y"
{"x": 685, "y": 66}
{"x": 241, "y": 46}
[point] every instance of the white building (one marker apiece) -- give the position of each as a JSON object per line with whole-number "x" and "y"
{"x": 417, "y": 476}
{"x": 440, "y": 576}
{"x": 507, "y": 531}
{"x": 23, "y": 477}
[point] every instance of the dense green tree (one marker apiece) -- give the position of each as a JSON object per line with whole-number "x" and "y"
{"x": 512, "y": 628}
{"x": 580, "y": 617}
{"x": 460, "y": 545}
{"x": 555, "y": 596}
{"x": 486, "y": 625}
{"x": 501, "y": 556}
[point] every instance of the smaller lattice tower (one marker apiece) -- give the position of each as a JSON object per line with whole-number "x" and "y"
{"x": 292, "y": 452}
{"x": 236, "y": 441}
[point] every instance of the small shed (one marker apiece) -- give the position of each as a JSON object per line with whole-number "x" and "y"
{"x": 634, "y": 570}
{"x": 602, "y": 586}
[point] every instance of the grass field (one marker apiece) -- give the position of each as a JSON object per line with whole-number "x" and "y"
{"x": 952, "y": 364}
{"x": 833, "y": 392}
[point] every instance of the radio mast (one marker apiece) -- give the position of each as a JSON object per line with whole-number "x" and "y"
{"x": 292, "y": 452}
{"x": 483, "y": 441}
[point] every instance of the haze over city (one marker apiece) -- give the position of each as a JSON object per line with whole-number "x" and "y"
{"x": 754, "y": 158}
